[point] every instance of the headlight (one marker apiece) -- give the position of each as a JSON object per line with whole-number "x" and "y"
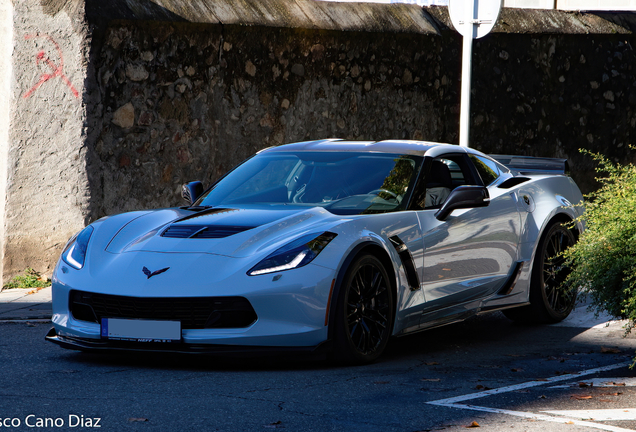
{"x": 293, "y": 255}
{"x": 75, "y": 250}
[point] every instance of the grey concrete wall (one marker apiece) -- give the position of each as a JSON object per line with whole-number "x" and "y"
{"x": 6, "y": 51}
{"x": 112, "y": 105}
{"x": 45, "y": 181}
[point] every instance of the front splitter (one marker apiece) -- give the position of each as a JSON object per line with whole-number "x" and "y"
{"x": 80, "y": 344}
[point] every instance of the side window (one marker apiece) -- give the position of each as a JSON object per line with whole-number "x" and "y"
{"x": 457, "y": 175}
{"x": 486, "y": 168}
{"x": 444, "y": 174}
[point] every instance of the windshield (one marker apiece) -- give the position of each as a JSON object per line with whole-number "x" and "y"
{"x": 341, "y": 182}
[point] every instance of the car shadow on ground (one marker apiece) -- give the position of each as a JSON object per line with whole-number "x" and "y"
{"x": 487, "y": 334}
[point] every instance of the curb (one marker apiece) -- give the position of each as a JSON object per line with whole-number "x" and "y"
{"x": 25, "y": 304}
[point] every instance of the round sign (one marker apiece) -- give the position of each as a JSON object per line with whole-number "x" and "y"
{"x": 474, "y": 18}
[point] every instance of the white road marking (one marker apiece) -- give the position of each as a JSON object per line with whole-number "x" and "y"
{"x": 542, "y": 417}
{"x": 601, "y": 382}
{"x": 572, "y": 418}
{"x": 528, "y": 384}
{"x": 598, "y": 415}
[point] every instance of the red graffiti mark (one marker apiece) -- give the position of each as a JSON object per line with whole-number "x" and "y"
{"x": 57, "y": 70}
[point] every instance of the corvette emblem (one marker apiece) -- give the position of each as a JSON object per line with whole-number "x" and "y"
{"x": 154, "y": 273}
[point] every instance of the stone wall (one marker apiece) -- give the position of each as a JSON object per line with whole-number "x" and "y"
{"x": 553, "y": 83}
{"x": 554, "y": 95}
{"x": 113, "y": 105}
{"x": 183, "y": 101}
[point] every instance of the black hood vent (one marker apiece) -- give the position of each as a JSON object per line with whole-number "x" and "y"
{"x": 202, "y": 231}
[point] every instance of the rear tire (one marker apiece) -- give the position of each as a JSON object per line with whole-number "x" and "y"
{"x": 364, "y": 312}
{"x": 549, "y": 301}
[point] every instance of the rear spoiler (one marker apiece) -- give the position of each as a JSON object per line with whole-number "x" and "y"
{"x": 534, "y": 165}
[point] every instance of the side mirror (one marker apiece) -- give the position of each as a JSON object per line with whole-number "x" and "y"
{"x": 463, "y": 197}
{"x": 191, "y": 191}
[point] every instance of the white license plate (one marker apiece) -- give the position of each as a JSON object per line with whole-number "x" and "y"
{"x": 141, "y": 330}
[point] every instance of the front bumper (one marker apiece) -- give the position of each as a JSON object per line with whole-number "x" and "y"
{"x": 83, "y": 344}
{"x": 290, "y": 306}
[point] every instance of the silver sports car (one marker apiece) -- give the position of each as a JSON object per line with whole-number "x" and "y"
{"x": 325, "y": 246}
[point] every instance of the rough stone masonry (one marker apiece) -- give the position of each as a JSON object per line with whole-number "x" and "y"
{"x": 109, "y": 106}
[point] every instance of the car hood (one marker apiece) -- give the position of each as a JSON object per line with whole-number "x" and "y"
{"x": 228, "y": 231}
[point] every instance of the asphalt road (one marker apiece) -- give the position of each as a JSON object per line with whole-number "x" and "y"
{"x": 443, "y": 379}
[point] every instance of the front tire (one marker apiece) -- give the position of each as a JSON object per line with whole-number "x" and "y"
{"x": 550, "y": 302}
{"x": 364, "y": 312}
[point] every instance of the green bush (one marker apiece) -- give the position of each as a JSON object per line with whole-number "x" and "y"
{"x": 603, "y": 261}
{"x": 29, "y": 279}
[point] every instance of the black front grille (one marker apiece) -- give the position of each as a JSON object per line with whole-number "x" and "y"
{"x": 202, "y": 231}
{"x": 192, "y": 312}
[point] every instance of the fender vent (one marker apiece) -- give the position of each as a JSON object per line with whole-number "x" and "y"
{"x": 407, "y": 261}
{"x": 202, "y": 231}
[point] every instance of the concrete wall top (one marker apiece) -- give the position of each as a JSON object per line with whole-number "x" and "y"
{"x": 541, "y": 21}
{"x": 369, "y": 17}
{"x": 309, "y": 14}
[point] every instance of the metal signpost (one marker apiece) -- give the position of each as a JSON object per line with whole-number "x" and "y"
{"x": 472, "y": 19}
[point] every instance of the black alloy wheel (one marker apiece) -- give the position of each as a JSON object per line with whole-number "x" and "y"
{"x": 364, "y": 314}
{"x": 559, "y": 301}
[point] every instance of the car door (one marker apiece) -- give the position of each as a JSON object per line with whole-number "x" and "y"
{"x": 472, "y": 253}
